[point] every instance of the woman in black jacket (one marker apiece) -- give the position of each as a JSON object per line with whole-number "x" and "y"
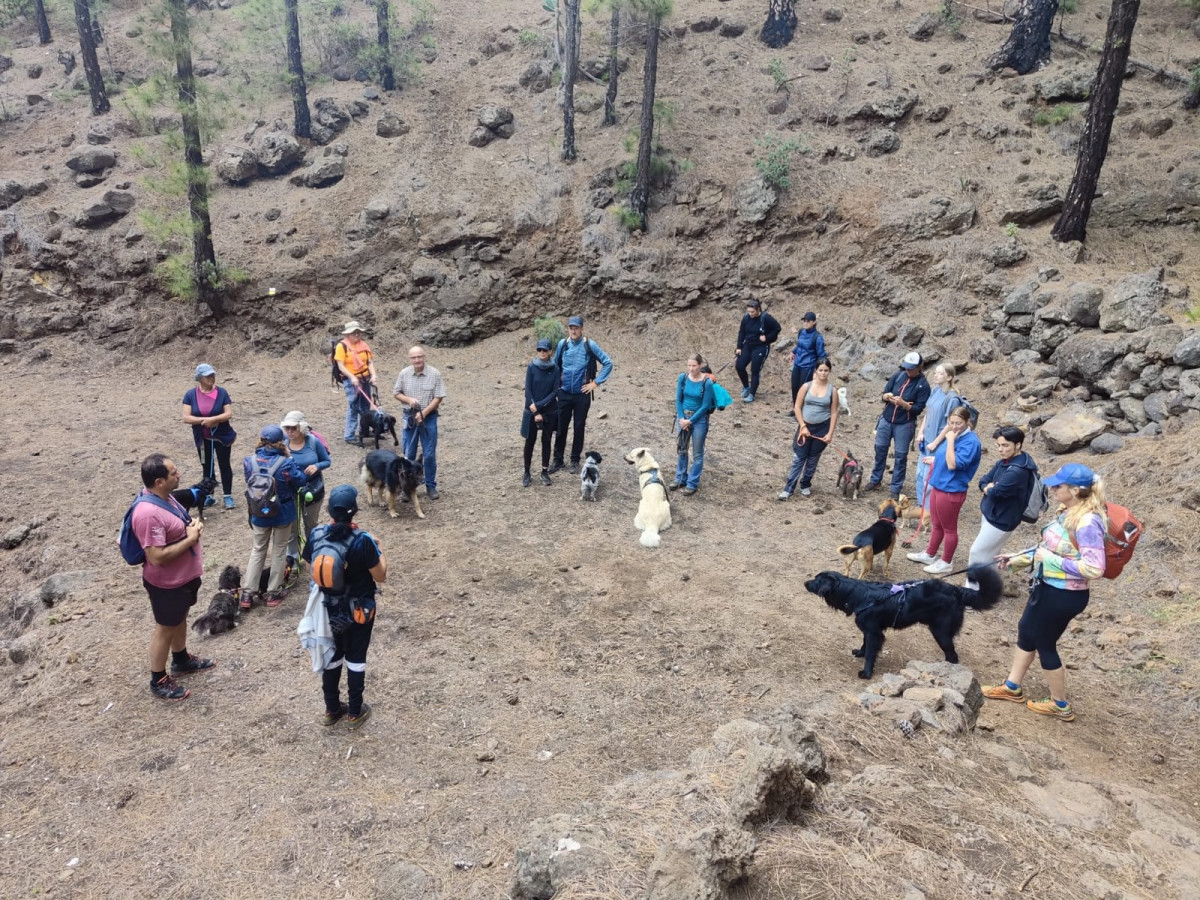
{"x": 541, "y": 408}
{"x": 1006, "y": 488}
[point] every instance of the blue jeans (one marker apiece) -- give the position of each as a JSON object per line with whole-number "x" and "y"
{"x": 355, "y": 403}
{"x": 692, "y": 477}
{"x": 885, "y": 434}
{"x": 806, "y": 457}
{"x": 922, "y": 477}
{"x": 425, "y": 435}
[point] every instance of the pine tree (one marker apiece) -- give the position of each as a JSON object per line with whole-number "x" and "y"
{"x": 780, "y": 26}
{"x": 43, "y": 24}
{"x": 1028, "y": 44}
{"x": 296, "y": 72}
{"x": 655, "y": 11}
{"x": 91, "y": 63}
{"x": 570, "y": 70}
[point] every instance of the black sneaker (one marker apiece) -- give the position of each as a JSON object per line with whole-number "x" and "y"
{"x": 546, "y": 478}
{"x": 526, "y": 480}
{"x": 557, "y": 466}
{"x": 357, "y": 722}
{"x": 574, "y": 470}
{"x": 432, "y": 493}
{"x": 871, "y": 486}
{"x": 193, "y": 663}
{"x": 169, "y": 689}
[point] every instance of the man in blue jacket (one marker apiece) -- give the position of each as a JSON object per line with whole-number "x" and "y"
{"x": 579, "y": 358}
{"x": 810, "y": 346}
{"x": 904, "y": 399}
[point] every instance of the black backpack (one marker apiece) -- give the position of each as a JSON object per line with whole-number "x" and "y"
{"x": 335, "y": 372}
{"x": 593, "y": 361}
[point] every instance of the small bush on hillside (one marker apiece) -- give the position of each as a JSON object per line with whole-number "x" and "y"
{"x": 774, "y": 160}
{"x": 1055, "y": 116}
{"x": 549, "y": 327}
{"x": 629, "y": 218}
{"x": 778, "y": 73}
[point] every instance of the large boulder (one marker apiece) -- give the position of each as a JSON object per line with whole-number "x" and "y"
{"x": 887, "y": 109}
{"x": 922, "y": 218}
{"x": 113, "y": 205}
{"x": 10, "y": 193}
{"x": 278, "y": 153}
{"x": 536, "y": 76}
{"x": 1072, "y": 428}
{"x": 239, "y": 165}
{"x": 494, "y": 117}
{"x": 923, "y": 27}
{"x": 1187, "y": 351}
{"x": 1153, "y": 203}
{"x": 702, "y": 866}
{"x": 391, "y": 125}
{"x": 1074, "y": 85}
{"x": 754, "y": 199}
{"x": 1085, "y": 357}
{"x": 880, "y": 142}
{"x": 556, "y": 852}
{"x": 1035, "y": 205}
{"x": 1134, "y": 303}
{"x": 327, "y": 171}
{"x": 92, "y": 160}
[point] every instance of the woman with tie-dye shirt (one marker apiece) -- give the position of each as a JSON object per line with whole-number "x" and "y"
{"x": 1069, "y": 555}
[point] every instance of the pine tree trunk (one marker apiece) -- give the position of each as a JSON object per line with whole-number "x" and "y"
{"x": 1093, "y": 143}
{"x": 43, "y": 24}
{"x": 1028, "y": 44}
{"x": 570, "y": 69}
{"x": 296, "y": 72}
{"x": 614, "y": 68}
{"x": 204, "y": 257}
{"x": 780, "y": 26}
{"x": 387, "y": 77}
{"x": 91, "y": 64}
{"x": 639, "y": 200}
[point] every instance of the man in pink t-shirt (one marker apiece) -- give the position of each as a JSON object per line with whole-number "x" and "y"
{"x": 170, "y": 574}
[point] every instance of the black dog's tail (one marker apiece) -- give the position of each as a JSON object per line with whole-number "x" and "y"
{"x": 991, "y": 587}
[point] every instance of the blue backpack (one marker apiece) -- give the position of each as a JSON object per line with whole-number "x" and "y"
{"x": 131, "y": 550}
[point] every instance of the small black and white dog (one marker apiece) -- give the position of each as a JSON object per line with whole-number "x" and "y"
{"x": 222, "y": 611}
{"x": 589, "y": 476}
{"x": 196, "y": 496}
{"x": 377, "y": 423}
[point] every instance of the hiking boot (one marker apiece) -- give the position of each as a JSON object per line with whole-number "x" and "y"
{"x": 210, "y": 501}
{"x": 557, "y": 466}
{"x": 939, "y": 567}
{"x": 169, "y": 689}
{"x": 675, "y": 485}
{"x": 193, "y": 663}
{"x": 688, "y": 491}
{"x": 351, "y": 441}
{"x": 871, "y": 486}
{"x": 228, "y": 502}
{"x": 546, "y": 478}
{"x": 332, "y": 718}
{"x": 246, "y": 598}
{"x": 357, "y": 722}
{"x": 784, "y": 495}
{"x": 1048, "y": 707}
{"x": 920, "y": 556}
{"x": 526, "y": 480}
{"x": 274, "y": 598}
{"x": 1002, "y": 691}
{"x": 432, "y": 493}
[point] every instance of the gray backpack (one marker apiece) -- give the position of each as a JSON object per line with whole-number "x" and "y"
{"x": 262, "y": 493}
{"x": 1039, "y": 498}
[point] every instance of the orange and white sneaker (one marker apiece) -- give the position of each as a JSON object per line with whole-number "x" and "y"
{"x": 1048, "y": 707}
{"x": 1002, "y": 691}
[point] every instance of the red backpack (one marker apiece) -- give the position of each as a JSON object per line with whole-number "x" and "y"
{"x": 1124, "y": 531}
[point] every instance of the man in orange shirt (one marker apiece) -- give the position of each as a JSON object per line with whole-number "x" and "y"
{"x": 357, "y": 365}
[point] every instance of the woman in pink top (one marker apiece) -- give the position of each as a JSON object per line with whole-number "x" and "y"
{"x": 208, "y": 409}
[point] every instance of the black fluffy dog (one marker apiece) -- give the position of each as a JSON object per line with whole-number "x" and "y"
{"x": 223, "y": 608}
{"x": 392, "y": 475}
{"x": 196, "y": 496}
{"x": 877, "y": 607}
{"x": 376, "y": 423}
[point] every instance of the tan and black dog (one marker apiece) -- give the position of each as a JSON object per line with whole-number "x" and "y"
{"x": 392, "y": 475}
{"x": 879, "y": 538}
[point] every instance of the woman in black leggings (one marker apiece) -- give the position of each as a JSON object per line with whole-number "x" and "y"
{"x": 208, "y": 409}
{"x": 1069, "y": 556}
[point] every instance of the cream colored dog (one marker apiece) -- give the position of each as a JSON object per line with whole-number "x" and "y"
{"x": 654, "y": 512}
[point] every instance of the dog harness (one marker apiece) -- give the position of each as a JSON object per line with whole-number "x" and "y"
{"x": 895, "y": 589}
{"x": 654, "y": 479}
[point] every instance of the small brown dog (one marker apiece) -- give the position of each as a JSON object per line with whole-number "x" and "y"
{"x": 878, "y": 538}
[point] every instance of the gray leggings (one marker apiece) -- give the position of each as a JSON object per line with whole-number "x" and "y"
{"x": 986, "y": 548}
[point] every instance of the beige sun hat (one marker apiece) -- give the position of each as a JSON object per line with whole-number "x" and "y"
{"x": 352, "y": 326}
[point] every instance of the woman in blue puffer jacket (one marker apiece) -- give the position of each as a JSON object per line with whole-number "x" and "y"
{"x": 272, "y": 458}
{"x": 1006, "y": 488}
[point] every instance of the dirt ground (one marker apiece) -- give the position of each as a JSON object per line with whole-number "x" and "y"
{"x": 529, "y": 655}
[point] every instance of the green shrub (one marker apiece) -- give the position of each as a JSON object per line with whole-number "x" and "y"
{"x": 548, "y": 327}
{"x": 1054, "y": 116}
{"x": 630, "y": 219}
{"x": 774, "y": 161}
{"x": 778, "y": 73}
{"x": 532, "y": 39}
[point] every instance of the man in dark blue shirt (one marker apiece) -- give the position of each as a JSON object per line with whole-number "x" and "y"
{"x": 904, "y": 399}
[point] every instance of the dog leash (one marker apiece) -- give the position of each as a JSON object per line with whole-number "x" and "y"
{"x": 924, "y": 509}
{"x": 366, "y": 396}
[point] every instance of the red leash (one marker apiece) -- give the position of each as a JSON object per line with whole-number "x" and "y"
{"x": 366, "y": 396}
{"x": 924, "y": 508}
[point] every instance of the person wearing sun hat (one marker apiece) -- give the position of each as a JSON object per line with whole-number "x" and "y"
{"x": 357, "y": 364}
{"x": 208, "y": 409}
{"x": 271, "y": 457}
{"x": 309, "y": 452}
{"x": 904, "y": 399}
{"x": 365, "y": 567}
{"x": 1069, "y": 556}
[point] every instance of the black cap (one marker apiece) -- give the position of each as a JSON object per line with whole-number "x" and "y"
{"x": 809, "y": 316}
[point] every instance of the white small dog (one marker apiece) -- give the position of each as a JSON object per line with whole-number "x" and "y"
{"x": 843, "y": 402}
{"x": 654, "y": 511}
{"x": 589, "y": 476}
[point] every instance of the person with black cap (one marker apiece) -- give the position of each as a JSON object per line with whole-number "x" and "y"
{"x": 904, "y": 399}
{"x": 810, "y": 346}
{"x": 352, "y": 610}
{"x": 578, "y": 359}
{"x": 757, "y": 333}
{"x": 272, "y": 515}
{"x": 541, "y": 408}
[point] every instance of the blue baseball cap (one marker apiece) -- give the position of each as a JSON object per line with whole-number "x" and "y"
{"x": 544, "y": 344}
{"x": 575, "y": 322}
{"x": 1074, "y": 474}
{"x": 272, "y": 433}
{"x": 343, "y": 502}
{"x": 204, "y": 370}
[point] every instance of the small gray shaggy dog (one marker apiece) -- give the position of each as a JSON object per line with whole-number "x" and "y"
{"x": 589, "y": 476}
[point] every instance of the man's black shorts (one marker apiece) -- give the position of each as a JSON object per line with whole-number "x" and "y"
{"x": 170, "y": 605}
